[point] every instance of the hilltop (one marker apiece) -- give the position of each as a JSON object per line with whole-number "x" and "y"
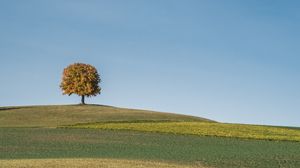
{"x": 58, "y": 115}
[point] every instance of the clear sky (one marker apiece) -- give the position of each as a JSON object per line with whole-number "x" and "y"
{"x": 231, "y": 61}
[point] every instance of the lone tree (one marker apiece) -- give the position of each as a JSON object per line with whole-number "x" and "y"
{"x": 81, "y": 79}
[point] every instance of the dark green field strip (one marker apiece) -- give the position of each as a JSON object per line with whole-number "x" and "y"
{"x": 56, "y": 115}
{"x": 16, "y": 143}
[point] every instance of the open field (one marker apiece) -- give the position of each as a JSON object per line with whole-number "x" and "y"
{"x": 204, "y": 129}
{"x": 36, "y": 135}
{"x": 53, "y": 116}
{"x": 45, "y": 143}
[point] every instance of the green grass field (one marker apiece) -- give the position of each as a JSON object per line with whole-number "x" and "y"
{"x": 33, "y": 143}
{"x": 33, "y": 137}
{"x": 53, "y": 116}
{"x": 203, "y": 129}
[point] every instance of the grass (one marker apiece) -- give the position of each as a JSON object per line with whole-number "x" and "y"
{"x": 36, "y": 136}
{"x": 79, "y": 163}
{"x": 204, "y": 129}
{"x": 53, "y": 116}
{"x": 46, "y": 143}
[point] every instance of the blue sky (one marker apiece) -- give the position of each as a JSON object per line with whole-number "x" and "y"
{"x": 230, "y": 61}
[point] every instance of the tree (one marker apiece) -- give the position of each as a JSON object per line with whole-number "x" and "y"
{"x": 81, "y": 79}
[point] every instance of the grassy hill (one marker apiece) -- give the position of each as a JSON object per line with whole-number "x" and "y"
{"x": 57, "y": 115}
{"x": 104, "y": 136}
{"x": 203, "y": 129}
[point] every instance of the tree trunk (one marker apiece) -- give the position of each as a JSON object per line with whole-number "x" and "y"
{"x": 82, "y": 99}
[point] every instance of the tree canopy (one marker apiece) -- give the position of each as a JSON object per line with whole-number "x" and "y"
{"x": 81, "y": 79}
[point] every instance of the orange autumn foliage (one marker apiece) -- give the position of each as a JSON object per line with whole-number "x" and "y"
{"x": 81, "y": 79}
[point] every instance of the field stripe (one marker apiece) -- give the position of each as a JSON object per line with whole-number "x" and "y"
{"x": 89, "y": 163}
{"x": 205, "y": 129}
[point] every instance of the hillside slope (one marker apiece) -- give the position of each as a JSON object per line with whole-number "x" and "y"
{"x": 57, "y": 115}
